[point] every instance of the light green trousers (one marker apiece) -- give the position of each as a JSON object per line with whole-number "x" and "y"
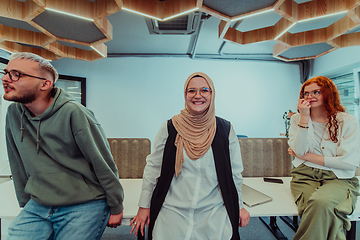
{"x": 323, "y": 202}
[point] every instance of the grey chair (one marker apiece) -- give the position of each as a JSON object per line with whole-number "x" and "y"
{"x": 130, "y": 155}
{"x": 267, "y": 157}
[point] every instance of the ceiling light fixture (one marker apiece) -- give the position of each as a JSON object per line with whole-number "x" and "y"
{"x": 98, "y": 51}
{"x": 292, "y": 25}
{"x": 329, "y": 15}
{"x": 142, "y": 14}
{"x": 180, "y": 14}
{"x": 158, "y": 19}
{"x": 251, "y": 15}
{"x": 69, "y": 14}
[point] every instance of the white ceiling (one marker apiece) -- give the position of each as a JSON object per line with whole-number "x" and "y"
{"x": 131, "y": 36}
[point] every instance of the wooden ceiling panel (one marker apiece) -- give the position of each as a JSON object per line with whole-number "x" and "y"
{"x": 160, "y": 9}
{"x": 15, "y": 47}
{"x": 27, "y": 11}
{"x": 292, "y": 14}
{"x": 23, "y": 36}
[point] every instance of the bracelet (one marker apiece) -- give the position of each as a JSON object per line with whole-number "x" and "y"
{"x": 303, "y": 123}
{"x": 302, "y": 126}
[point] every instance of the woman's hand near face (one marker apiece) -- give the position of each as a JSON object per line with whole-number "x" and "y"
{"x": 304, "y": 109}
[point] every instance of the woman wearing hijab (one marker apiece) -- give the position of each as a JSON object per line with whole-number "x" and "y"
{"x": 325, "y": 143}
{"x": 192, "y": 180}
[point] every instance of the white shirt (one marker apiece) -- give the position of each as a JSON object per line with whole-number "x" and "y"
{"x": 342, "y": 157}
{"x": 193, "y": 207}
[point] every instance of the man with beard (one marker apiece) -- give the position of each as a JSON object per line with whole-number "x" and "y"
{"x": 64, "y": 175}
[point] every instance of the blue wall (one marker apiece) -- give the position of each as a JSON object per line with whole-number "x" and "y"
{"x": 132, "y": 97}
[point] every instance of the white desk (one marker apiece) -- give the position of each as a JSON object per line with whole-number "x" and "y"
{"x": 9, "y": 206}
{"x": 283, "y": 201}
{"x": 132, "y": 190}
{"x": 282, "y": 204}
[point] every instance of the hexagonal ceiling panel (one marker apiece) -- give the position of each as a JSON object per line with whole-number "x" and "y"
{"x": 32, "y": 25}
{"x": 234, "y": 8}
{"x": 303, "y": 29}
{"x": 312, "y": 28}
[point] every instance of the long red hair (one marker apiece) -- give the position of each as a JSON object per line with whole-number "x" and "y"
{"x": 331, "y": 102}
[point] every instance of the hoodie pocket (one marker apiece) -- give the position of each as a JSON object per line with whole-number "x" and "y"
{"x": 57, "y": 189}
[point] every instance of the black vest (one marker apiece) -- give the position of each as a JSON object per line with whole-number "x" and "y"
{"x": 220, "y": 147}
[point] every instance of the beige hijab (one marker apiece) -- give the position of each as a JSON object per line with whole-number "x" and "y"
{"x": 195, "y": 131}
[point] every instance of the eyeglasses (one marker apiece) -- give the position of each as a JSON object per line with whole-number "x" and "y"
{"x": 16, "y": 75}
{"x": 204, "y": 92}
{"x": 315, "y": 93}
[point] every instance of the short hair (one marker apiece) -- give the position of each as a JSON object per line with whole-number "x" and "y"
{"x": 44, "y": 64}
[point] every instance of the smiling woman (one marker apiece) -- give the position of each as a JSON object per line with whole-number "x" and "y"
{"x": 194, "y": 146}
{"x": 198, "y": 95}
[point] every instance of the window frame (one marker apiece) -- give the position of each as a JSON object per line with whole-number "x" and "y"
{"x": 82, "y": 81}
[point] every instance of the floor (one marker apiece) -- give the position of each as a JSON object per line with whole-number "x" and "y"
{"x": 256, "y": 230}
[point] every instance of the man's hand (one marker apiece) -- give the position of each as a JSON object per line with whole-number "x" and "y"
{"x": 115, "y": 220}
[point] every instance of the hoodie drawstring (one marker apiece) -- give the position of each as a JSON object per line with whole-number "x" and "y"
{"x": 38, "y": 137}
{"x": 22, "y": 126}
{"x": 22, "y": 129}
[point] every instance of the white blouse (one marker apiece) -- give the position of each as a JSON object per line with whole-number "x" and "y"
{"x": 342, "y": 157}
{"x": 193, "y": 207}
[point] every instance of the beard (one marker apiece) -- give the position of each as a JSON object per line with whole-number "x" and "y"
{"x": 25, "y": 97}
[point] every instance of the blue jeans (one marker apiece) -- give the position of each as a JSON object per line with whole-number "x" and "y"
{"x": 82, "y": 221}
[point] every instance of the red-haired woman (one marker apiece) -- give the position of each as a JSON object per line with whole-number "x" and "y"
{"x": 325, "y": 143}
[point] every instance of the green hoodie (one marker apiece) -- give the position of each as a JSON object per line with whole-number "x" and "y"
{"x": 62, "y": 156}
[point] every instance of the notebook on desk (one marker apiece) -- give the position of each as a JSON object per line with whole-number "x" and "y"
{"x": 252, "y": 197}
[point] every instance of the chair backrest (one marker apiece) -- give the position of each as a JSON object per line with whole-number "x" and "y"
{"x": 130, "y": 155}
{"x": 265, "y": 157}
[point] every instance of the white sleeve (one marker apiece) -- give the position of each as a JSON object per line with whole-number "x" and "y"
{"x": 298, "y": 137}
{"x": 236, "y": 163}
{"x": 153, "y": 167}
{"x": 348, "y": 151}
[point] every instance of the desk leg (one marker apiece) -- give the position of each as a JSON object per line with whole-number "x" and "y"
{"x": 271, "y": 224}
{"x": 351, "y": 234}
{"x": 293, "y": 224}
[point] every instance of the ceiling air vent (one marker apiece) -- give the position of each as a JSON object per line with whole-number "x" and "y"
{"x": 185, "y": 24}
